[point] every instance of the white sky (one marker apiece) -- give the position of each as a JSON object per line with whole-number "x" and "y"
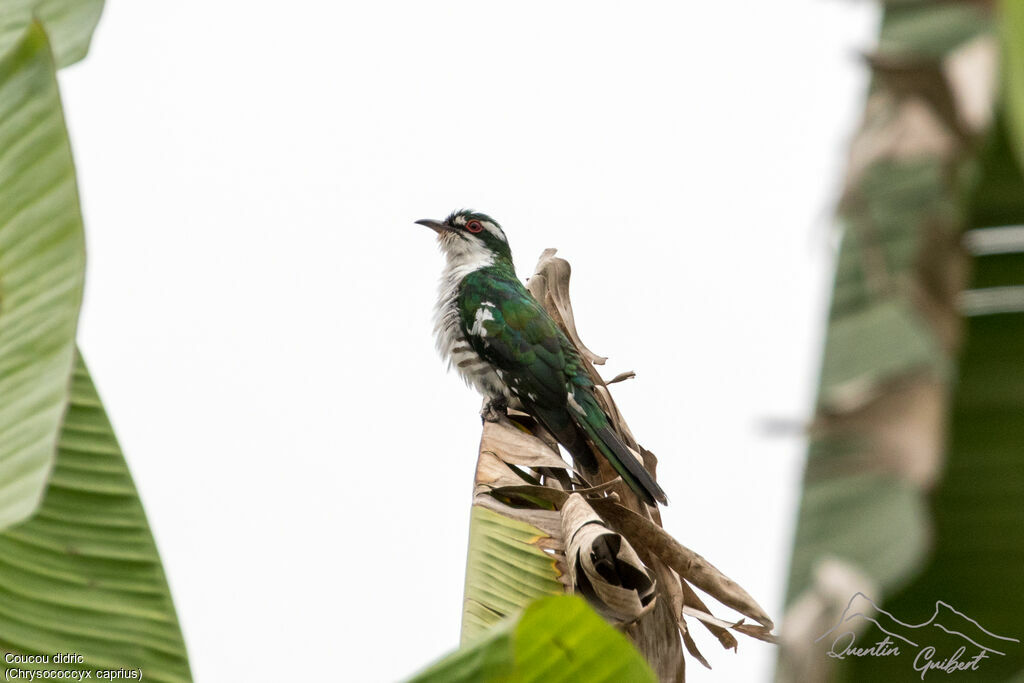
{"x": 258, "y": 303}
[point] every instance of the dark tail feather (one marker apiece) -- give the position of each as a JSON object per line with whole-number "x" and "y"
{"x": 629, "y": 468}
{"x": 568, "y": 434}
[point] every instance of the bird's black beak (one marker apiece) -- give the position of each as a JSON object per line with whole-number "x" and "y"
{"x": 436, "y": 226}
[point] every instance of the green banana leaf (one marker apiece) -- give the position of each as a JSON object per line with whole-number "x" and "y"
{"x": 83, "y": 574}
{"x": 80, "y": 575}
{"x": 42, "y": 270}
{"x": 558, "y": 638}
{"x": 1012, "y": 33}
{"x": 948, "y": 527}
{"x": 68, "y": 23}
{"x": 505, "y": 570}
{"x": 977, "y": 554}
{"x": 888, "y": 345}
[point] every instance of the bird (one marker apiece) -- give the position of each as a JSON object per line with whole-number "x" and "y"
{"x": 502, "y": 342}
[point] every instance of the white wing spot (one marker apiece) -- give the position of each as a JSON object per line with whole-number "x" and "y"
{"x": 577, "y": 408}
{"x": 483, "y": 314}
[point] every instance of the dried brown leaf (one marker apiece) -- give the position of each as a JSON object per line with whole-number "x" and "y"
{"x": 622, "y": 376}
{"x": 759, "y": 632}
{"x": 709, "y": 619}
{"x": 691, "y": 647}
{"x": 691, "y": 566}
{"x": 515, "y": 446}
{"x": 752, "y": 630}
{"x": 719, "y": 631}
{"x": 550, "y": 282}
{"x": 492, "y": 472}
{"x": 603, "y": 566}
{"x": 554, "y": 496}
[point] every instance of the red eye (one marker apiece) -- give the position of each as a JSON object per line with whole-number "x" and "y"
{"x": 474, "y": 226}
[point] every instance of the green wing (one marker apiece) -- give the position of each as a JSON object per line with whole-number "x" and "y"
{"x": 511, "y": 331}
{"x": 508, "y": 328}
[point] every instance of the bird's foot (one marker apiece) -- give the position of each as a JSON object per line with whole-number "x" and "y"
{"x": 494, "y": 410}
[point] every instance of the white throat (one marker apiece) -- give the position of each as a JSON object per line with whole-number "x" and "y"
{"x": 463, "y": 258}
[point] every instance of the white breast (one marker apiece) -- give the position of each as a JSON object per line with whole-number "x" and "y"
{"x": 451, "y": 343}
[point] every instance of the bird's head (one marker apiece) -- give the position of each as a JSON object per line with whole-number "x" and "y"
{"x": 471, "y": 237}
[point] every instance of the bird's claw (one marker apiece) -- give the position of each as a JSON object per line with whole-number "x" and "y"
{"x": 494, "y": 410}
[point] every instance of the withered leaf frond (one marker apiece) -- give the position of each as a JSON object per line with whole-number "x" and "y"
{"x": 591, "y": 537}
